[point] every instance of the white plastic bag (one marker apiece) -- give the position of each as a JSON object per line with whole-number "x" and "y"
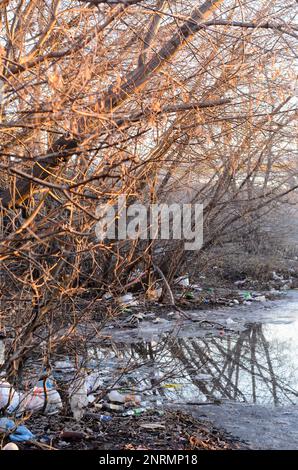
{"x": 36, "y": 399}
{"x": 9, "y": 397}
{"x": 93, "y": 382}
{"x": 128, "y": 300}
{"x": 78, "y": 397}
{"x": 182, "y": 281}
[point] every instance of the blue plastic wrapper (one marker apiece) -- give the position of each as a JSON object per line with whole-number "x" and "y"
{"x": 105, "y": 418}
{"x": 22, "y": 434}
{"x": 17, "y": 433}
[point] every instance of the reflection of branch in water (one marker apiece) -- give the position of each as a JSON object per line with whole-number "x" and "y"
{"x": 277, "y": 385}
{"x": 179, "y": 353}
{"x": 221, "y": 375}
{"x": 194, "y": 349}
{"x": 236, "y": 365}
{"x": 253, "y": 361}
{"x": 234, "y": 360}
{"x": 249, "y": 354}
{"x": 272, "y": 375}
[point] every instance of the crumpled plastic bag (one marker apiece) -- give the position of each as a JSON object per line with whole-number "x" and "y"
{"x": 16, "y": 433}
{"x": 9, "y": 397}
{"x": 78, "y": 397}
{"x": 39, "y": 398}
{"x": 93, "y": 382}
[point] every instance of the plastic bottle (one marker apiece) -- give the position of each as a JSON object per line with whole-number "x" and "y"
{"x": 117, "y": 397}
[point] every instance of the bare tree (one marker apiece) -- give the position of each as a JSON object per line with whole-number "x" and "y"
{"x": 146, "y": 98}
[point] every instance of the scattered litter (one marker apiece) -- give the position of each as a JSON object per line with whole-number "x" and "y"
{"x": 236, "y": 302}
{"x": 134, "y": 412}
{"x": 9, "y": 397}
{"x": 135, "y": 318}
{"x": 10, "y": 446}
{"x": 107, "y": 296}
{"x": 113, "y": 407}
{"x": 247, "y": 295}
{"x": 172, "y": 385}
{"x": 159, "y": 320}
{"x": 182, "y": 281}
{"x": 197, "y": 286}
{"x": 117, "y": 397}
{"x": 152, "y": 426}
{"x": 105, "y": 418}
{"x": 128, "y": 300}
{"x": 78, "y": 397}
{"x": 260, "y": 298}
{"x": 93, "y": 382}
{"x": 91, "y": 398}
{"x": 203, "y": 377}
{"x": 2, "y": 351}
{"x": 42, "y": 397}
{"x": 171, "y": 314}
{"x": 285, "y": 287}
{"x": 22, "y": 434}
{"x": 154, "y": 294}
{"x": 189, "y": 295}
{"x": 277, "y": 277}
{"x": 64, "y": 371}
{"x": 16, "y": 433}
{"x": 6, "y": 424}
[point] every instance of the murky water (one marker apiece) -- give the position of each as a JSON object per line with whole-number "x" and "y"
{"x": 245, "y": 375}
{"x": 247, "y": 379}
{"x": 259, "y": 365}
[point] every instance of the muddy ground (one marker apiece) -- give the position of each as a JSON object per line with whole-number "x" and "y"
{"x": 211, "y": 311}
{"x": 171, "y": 430}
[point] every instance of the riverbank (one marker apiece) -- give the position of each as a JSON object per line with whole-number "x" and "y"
{"x": 229, "y": 369}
